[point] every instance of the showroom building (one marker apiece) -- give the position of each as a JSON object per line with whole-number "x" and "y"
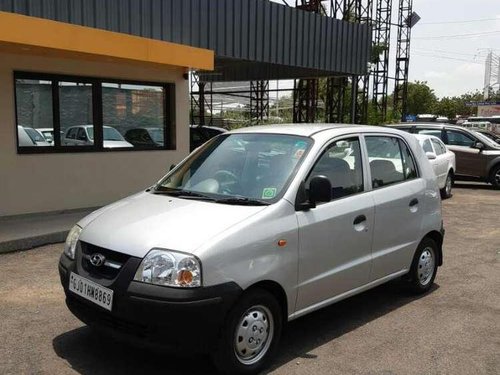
{"x": 95, "y": 98}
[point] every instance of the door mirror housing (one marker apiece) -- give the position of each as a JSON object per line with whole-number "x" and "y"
{"x": 431, "y": 155}
{"x": 320, "y": 190}
{"x": 479, "y": 145}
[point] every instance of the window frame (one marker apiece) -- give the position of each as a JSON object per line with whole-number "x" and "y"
{"x": 169, "y": 123}
{"x": 325, "y": 148}
{"x": 400, "y": 139}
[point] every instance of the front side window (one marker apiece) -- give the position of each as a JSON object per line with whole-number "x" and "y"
{"x": 456, "y": 138}
{"x": 439, "y": 147}
{"x": 105, "y": 114}
{"x": 426, "y": 145}
{"x": 341, "y": 164}
{"x": 240, "y": 166}
{"x": 390, "y": 161}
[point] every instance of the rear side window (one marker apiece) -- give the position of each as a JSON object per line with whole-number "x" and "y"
{"x": 459, "y": 139}
{"x": 390, "y": 161}
{"x": 341, "y": 164}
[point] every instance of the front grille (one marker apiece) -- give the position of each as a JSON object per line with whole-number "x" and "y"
{"x": 112, "y": 266}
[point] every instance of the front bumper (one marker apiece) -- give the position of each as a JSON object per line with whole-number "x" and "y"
{"x": 164, "y": 316}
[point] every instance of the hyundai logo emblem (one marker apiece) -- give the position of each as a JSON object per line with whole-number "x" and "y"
{"x": 97, "y": 260}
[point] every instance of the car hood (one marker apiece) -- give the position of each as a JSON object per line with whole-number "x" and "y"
{"x": 115, "y": 144}
{"x": 144, "y": 221}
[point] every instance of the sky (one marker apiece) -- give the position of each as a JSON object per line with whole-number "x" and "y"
{"x": 451, "y": 66}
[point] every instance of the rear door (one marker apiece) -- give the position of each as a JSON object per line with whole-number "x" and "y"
{"x": 398, "y": 197}
{"x": 441, "y": 162}
{"x": 335, "y": 237}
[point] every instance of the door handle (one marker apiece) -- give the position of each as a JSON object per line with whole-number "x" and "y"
{"x": 413, "y": 202}
{"x": 359, "y": 219}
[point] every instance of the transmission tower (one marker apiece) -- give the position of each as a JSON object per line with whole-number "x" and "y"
{"x": 491, "y": 74}
{"x": 259, "y": 101}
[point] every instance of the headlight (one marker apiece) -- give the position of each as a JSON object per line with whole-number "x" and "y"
{"x": 71, "y": 240}
{"x": 169, "y": 268}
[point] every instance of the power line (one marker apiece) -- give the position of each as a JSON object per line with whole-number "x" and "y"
{"x": 464, "y": 21}
{"x": 457, "y": 36}
{"x": 447, "y": 58}
{"x": 446, "y": 52}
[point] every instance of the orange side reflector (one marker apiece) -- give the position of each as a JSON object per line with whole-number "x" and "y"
{"x": 281, "y": 243}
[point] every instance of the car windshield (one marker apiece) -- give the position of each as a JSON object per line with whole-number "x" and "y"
{"x": 108, "y": 134}
{"x": 486, "y": 140}
{"x": 256, "y": 167}
{"x": 34, "y": 135}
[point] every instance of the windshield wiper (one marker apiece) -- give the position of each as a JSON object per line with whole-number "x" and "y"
{"x": 242, "y": 201}
{"x": 184, "y": 194}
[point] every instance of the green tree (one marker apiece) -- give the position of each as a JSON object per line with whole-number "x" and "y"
{"x": 421, "y": 98}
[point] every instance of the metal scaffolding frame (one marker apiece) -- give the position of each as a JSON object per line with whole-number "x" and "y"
{"x": 305, "y": 91}
{"x": 259, "y": 101}
{"x": 201, "y": 101}
{"x": 402, "y": 59}
{"x": 381, "y": 42}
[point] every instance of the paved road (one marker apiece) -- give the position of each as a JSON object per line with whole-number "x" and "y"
{"x": 455, "y": 329}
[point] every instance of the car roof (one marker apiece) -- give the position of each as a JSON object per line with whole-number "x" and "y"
{"x": 305, "y": 130}
{"x": 423, "y": 137}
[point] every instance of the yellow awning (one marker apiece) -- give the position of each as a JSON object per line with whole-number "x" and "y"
{"x": 24, "y": 34}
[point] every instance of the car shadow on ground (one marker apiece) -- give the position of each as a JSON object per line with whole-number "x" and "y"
{"x": 472, "y": 185}
{"x": 90, "y": 353}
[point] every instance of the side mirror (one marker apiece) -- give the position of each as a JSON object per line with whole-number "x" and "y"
{"x": 478, "y": 145}
{"x": 172, "y": 166}
{"x": 431, "y": 155}
{"x": 320, "y": 190}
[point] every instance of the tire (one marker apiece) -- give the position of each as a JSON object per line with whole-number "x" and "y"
{"x": 495, "y": 177}
{"x": 258, "y": 310}
{"x": 424, "y": 266}
{"x": 446, "y": 191}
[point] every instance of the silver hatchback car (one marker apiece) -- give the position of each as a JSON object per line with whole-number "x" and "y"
{"x": 255, "y": 228}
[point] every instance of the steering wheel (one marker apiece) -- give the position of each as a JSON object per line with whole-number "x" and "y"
{"x": 228, "y": 181}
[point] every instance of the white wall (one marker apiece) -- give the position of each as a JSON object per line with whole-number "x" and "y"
{"x": 53, "y": 182}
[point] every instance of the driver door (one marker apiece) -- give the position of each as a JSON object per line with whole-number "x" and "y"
{"x": 335, "y": 237}
{"x": 469, "y": 160}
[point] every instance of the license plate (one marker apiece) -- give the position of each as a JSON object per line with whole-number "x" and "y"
{"x": 91, "y": 291}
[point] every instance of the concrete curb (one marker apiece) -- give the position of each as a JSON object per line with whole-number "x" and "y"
{"x": 34, "y": 241}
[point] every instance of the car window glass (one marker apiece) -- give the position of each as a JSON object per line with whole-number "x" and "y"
{"x": 409, "y": 168}
{"x": 81, "y": 136}
{"x": 341, "y": 164}
{"x": 438, "y": 147}
{"x": 426, "y": 145}
{"x": 458, "y": 138}
{"x": 386, "y": 162}
{"x": 71, "y": 133}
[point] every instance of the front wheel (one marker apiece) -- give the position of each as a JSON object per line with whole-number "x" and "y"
{"x": 446, "y": 191}
{"x": 250, "y": 335}
{"x": 495, "y": 177}
{"x": 424, "y": 266}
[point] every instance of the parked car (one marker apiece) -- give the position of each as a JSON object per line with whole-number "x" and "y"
{"x": 145, "y": 137}
{"x": 442, "y": 161}
{"x": 83, "y": 135}
{"x": 48, "y": 134}
{"x": 198, "y": 134}
{"x": 493, "y": 136}
{"x": 477, "y": 156}
{"x": 288, "y": 218}
{"x": 29, "y": 137}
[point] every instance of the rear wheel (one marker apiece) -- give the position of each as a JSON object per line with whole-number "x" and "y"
{"x": 495, "y": 177}
{"x": 250, "y": 335}
{"x": 424, "y": 266}
{"x": 446, "y": 191}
